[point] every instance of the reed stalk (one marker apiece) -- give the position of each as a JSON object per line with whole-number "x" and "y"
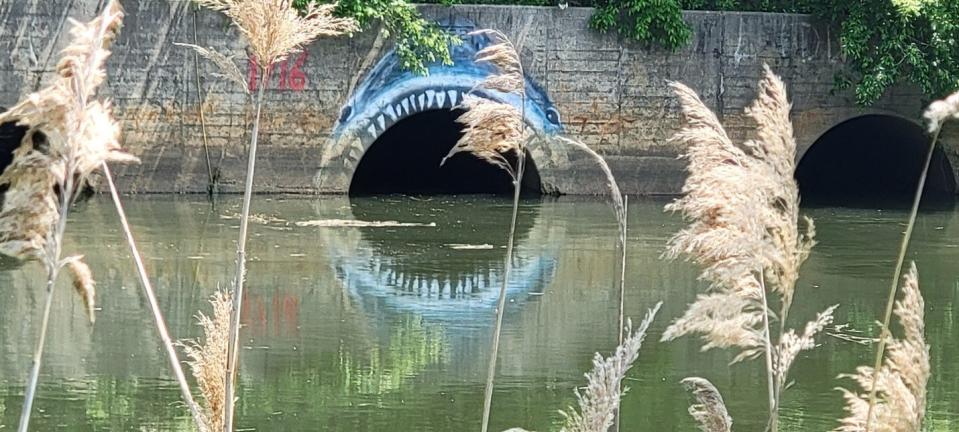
{"x": 274, "y": 29}
{"x": 491, "y": 131}
{"x": 937, "y": 114}
{"x": 622, "y": 282}
{"x": 240, "y": 274}
{"x": 158, "y": 320}
{"x": 501, "y": 302}
{"x": 896, "y": 274}
{"x": 52, "y": 263}
{"x": 211, "y": 186}
{"x": 622, "y": 267}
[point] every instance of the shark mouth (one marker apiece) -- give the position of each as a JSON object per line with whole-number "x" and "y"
{"x": 406, "y": 105}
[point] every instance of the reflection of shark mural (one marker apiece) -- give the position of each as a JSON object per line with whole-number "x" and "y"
{"x": 381, "y": 269}
{"x": 389, "y": 93}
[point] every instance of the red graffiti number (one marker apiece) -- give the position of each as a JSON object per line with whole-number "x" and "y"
{"x": 291, "y": 76}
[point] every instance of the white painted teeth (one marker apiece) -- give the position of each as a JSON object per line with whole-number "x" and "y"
{"x": 412, "y": 104}
{"x": 390, "y": 112}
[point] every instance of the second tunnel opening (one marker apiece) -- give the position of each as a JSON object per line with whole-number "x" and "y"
{"x": 873, "y": 161}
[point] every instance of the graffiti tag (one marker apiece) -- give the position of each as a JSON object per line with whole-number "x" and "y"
{"x": 291, "y": 76}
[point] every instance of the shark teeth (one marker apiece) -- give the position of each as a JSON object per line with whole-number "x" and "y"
{"x": 427, "y": 100}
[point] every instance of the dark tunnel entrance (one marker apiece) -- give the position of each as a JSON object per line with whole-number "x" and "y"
{"x": 406, "y": 159}
{"x": 873, "y": 161}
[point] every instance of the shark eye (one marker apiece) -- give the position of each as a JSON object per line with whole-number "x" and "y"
{"x": 552, "y": 115}
{"x": 345, "y": 114}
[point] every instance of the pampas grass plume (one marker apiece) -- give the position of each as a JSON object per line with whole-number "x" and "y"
{"x": 710, "y": 409}
{"x": 275, "y": 29}
{"x": 902, "y": 379}
{"x": 84, "y": 284}
{"x": 600, "y": 400}
{"x": 207, "y": 357}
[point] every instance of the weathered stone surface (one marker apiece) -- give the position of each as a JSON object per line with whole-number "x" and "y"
{"x": 612, "y": 95}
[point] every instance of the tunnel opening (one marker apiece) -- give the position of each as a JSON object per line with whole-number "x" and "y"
{"x": 405, "y": 159}
{"x": 873, "y": 161}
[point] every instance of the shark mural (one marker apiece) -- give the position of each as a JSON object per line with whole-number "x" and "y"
{"x": 389, "y": 93}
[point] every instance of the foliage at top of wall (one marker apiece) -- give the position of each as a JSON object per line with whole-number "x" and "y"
{"x": 418, "y": 42}
{"x": 888, "y": 41}
{"x": 884, "y": 41}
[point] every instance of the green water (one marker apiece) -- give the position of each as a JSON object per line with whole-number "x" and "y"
{"x": 388, "y": 329}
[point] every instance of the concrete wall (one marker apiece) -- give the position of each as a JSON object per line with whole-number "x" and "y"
{"x": 610, "y": 94}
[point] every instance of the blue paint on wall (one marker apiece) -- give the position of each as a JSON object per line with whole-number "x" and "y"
{"x": 390, "y": 93}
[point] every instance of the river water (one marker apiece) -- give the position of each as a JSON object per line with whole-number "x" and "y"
{"x": 388, "y": 329}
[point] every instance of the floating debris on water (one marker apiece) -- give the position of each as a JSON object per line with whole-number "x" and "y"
{"x": 350, "y": 223}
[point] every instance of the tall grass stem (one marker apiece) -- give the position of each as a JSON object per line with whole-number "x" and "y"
{"x": 238, "y": 277}
{"x": 52, "y": 263}
{"x": 897, "y": 273}
{"x": 211, "y": 187}
{"x": 622, "y": 269}
{"x": 773, "y": 424}
{"x": 622, "y": 281}
{"x": 150, "y": 294}
{"x": 501, "y": 303}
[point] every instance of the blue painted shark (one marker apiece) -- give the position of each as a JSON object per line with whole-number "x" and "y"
{"x": 390, "y": 93}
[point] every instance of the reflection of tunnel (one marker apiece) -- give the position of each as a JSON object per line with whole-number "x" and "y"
{"x": 872, "y": 160}
{"x": 406, "y": 159}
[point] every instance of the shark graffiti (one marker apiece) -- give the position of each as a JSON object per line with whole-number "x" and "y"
{"x": 389, "y": 93}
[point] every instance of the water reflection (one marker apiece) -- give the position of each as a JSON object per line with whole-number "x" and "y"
{"x": 440, "y": 272}
{"x": 363, "y": 329}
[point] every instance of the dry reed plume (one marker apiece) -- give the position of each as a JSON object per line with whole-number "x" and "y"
{"x": 274, "y": 29}
{"x": 84, "y": 284}
{"x": 494, "y": 129}
{"x": 491, "y": 131}
{"x": 709, "y": 411}
{"x": 208, "y": 358}
{"x": 599, "y": 401}
{"x": 70, "y": 135}
{"x": 742, "y": 205}
{"x": 900, "y": 383}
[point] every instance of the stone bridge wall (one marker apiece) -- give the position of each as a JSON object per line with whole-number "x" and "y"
{"x": 612, "y": 95}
